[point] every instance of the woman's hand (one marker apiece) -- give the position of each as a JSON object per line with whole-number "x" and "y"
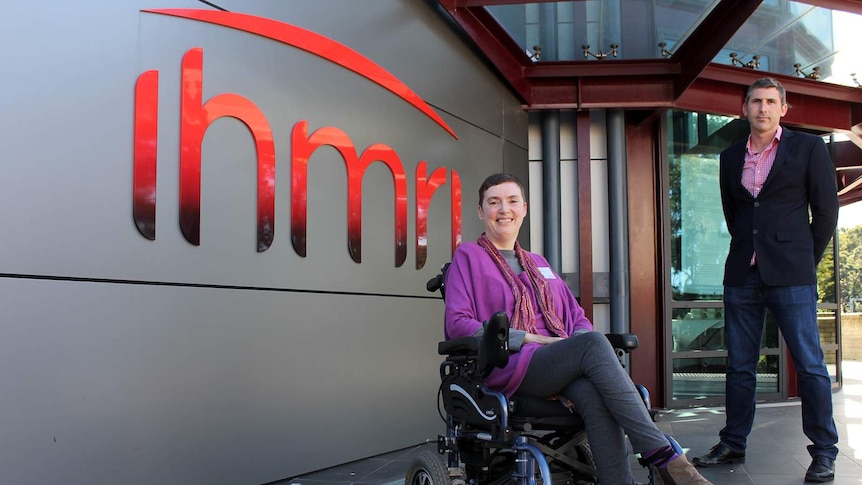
{"x": 532, "y": 338}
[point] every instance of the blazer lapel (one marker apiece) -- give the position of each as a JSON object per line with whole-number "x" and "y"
{"x": 784, "y": 148}
{"x": 738, "y": 159}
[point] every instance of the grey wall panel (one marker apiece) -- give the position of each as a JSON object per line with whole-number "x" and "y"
{"x": 88, "y": 205}
{"x": 514, "y": 156}
{"x": 409, "y": 39}
{"x": 138, "y": 384}
{"x": 516, "y": 123}
{"x": 125, "y": 360}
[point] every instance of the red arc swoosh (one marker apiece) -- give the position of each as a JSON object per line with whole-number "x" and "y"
{"x": 313, "y": 43}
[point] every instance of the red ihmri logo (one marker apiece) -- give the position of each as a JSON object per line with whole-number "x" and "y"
{"x": 196, "y": 116}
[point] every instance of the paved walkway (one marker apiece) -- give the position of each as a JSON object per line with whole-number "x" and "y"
{"x": 776, "y": 453}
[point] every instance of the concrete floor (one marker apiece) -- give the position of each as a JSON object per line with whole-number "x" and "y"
{"x": 776, "y": 454}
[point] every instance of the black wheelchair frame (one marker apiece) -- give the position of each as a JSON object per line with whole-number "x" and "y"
{"x": 491, "y": 439}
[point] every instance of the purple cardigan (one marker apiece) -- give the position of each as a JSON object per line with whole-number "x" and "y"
{"x": 476, "y": 289}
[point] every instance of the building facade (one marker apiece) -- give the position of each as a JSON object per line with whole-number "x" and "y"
{"x": 220, "y": 220}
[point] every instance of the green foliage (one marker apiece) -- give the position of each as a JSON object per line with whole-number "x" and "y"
{"x": 826, "y": 275}
{"x": 849, "y": 268}
{"x": 850, "y": 264}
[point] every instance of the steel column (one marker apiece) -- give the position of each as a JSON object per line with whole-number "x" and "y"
{"x": 551, "y": 202}
{"x": 618, "y": 224}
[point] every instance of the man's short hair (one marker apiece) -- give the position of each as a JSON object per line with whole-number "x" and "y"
{"x": 767, "y": 82}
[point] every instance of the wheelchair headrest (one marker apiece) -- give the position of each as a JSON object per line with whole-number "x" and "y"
{"x": 494, "y": 348}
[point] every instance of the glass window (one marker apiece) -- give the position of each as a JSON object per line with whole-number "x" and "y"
{"x": 826, "y": 276}
{"x": 702, "y": 328}
{"x": 703, "y": 377}
{"x": 699, "y": 238}
{"x": 832, "y": 367}
{"x": 698, "y": 329}
{"x": 827, "y": 324}
{"x": 699, "y": 242}
{"x": 784, "y": 37}
{"x": 635, "y": 26}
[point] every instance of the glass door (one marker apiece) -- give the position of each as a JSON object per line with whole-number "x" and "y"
{"x": 698, "y": 244}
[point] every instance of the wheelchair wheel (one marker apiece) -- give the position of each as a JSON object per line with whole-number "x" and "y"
{"x": 585, "y": 455}
{"x": 582, "y": 453}
{"x": 498, "y": 471}
{"x": 427, "y": 469}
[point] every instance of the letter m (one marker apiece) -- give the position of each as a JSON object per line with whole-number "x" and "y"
{"x": 303, "y": 146}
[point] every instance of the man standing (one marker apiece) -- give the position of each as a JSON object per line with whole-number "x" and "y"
{"x": 780, "y": 203}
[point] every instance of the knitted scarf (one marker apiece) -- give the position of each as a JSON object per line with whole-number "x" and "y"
{"x": 524, "y": 316}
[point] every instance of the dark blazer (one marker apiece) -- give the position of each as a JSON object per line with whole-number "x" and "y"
{"x": 776, "y": 224}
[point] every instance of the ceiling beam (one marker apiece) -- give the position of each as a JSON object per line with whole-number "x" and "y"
{"x": 708, "y": 38}
{"x": 569, "y": 69}
{"x": 812, "y": 110}
{"x": 597, "y": 92}
{"x": 719, "y": 89}
{"x": 850, "y": 198}
{"x": 826, "y": 106}
{"x": 687, "y": 80}
{"x": 496, "y": 44}
{"x": 852, "y": 6}
{"x": 848, "y": 157}
{"x": 850, "y": 193}
{"x": 482, "y": 3}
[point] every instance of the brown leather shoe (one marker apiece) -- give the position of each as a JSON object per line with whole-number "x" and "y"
{"x": 681, "y": 472}
{"x": 720, "y": 454}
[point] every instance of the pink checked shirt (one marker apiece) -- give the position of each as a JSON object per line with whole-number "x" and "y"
{"x": 757, "y": 167}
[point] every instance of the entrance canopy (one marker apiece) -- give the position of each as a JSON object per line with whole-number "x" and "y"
{"x": 692, "y": 55}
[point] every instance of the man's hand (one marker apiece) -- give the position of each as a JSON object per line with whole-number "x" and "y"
{"x": 540, "y": 339}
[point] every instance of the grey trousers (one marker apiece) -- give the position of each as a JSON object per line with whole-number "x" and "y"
{"x": 584, "y": 368}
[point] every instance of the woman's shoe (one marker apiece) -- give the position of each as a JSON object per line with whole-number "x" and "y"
{"x": 681, "y": 472}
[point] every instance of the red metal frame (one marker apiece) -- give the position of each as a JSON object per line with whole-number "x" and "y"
{"x": 585, "y": 213}
{"x": 687, "y": 80}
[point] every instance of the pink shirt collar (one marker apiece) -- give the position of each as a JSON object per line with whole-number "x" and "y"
{"x": 775, "y": 140}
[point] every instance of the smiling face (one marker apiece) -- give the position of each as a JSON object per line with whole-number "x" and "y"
{"x": 503, "y": 210}
{"x": 764, "y": 109}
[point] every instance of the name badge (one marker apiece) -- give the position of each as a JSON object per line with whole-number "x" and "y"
{"x": 547, "y": 273}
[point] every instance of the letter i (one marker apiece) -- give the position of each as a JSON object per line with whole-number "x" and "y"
{"x": 146, "y": 153}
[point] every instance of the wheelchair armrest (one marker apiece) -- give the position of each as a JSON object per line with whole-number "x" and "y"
{"x": 494, "y": 351}
{"x": 459, "y": 346}
{"x": 470, "y": 345}
{"x": 491, "y": 349}
{"x": 623, "y": 341}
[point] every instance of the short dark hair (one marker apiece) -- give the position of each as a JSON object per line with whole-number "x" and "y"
{"x": 497, "y": 179}
{"x": 767, "y": 82}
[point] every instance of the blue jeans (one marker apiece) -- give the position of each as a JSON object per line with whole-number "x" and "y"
{"x": 795, "y": 310}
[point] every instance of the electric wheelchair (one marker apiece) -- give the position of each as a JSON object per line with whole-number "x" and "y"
{"x": 491, "y": 439}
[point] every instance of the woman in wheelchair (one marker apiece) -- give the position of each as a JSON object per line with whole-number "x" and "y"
{"x": 554, "y": 352}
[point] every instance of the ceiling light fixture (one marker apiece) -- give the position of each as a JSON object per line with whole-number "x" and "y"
{"x": 814, "y": 74}
{"x": 601, "y": 55}
{"x": 664, "y": 51}
{"x": 754, "y": 63}
{"x": 537, "y": 53}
